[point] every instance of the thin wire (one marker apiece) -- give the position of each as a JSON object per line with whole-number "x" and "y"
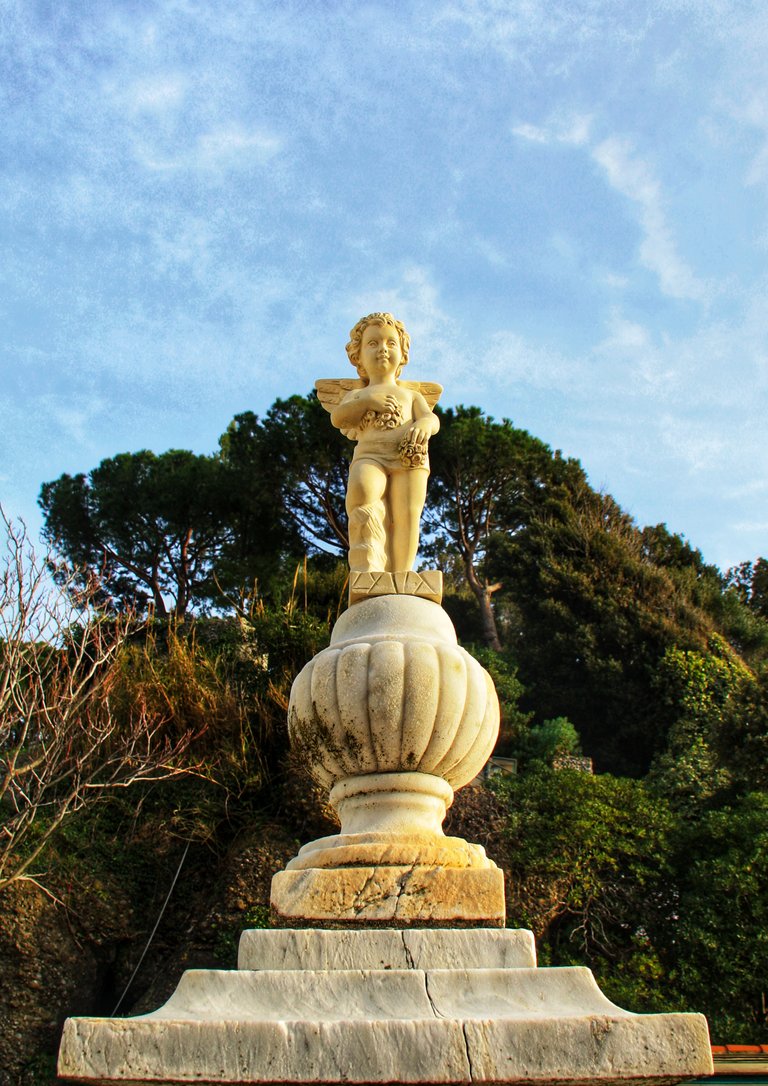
{"x": 152, "y": 933}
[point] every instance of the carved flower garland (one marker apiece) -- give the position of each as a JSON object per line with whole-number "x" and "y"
{"x": 412, "y": 453}
{"x": 382, "y": 420}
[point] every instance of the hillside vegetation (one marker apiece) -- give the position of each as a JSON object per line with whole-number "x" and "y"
{"x": 148, "y": 793}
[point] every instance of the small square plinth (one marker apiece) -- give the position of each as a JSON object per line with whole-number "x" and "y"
{"x": 428, "y": 584}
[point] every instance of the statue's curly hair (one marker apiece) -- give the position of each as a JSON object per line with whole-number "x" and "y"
{"x": 356, "y": 336}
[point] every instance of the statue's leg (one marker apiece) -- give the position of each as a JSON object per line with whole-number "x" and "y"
{"x": 367, "y": 514}
{"x": 407, "y": 491}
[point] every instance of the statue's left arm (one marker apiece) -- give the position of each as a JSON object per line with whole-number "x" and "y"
{"x": 425, "y": 421}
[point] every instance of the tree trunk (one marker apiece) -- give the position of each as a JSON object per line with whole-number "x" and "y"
{"x": 483, "y": 592}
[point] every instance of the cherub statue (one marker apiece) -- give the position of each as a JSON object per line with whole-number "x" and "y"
{"x": 392, "y": 422}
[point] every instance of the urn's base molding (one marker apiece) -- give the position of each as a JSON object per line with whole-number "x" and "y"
{"x": 389, "y": 850}
{"x": 387, "y": 1007}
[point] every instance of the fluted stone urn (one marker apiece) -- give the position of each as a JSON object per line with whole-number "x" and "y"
{"x": 392, "y": 717}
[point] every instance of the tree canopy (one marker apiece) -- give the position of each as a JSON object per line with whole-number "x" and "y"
{"x": 486, "y": 477}
{"x": 554, "y": 577}
{"x": 174, "y": 529}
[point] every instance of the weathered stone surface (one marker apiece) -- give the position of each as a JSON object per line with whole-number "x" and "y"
{"x": 208, "y": 1052}
{"x": 521, "y": 1025}
{"x": 392, "y": 803}
{"x": 387, "y": 948}
{"x": 394, "y": 693}
{"x": 392, "y": 716}
{"x": 419, "y": 895}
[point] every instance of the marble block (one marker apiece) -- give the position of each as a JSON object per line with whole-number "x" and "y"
{"x": 404, "y": 871}
{"x": 416, "y": 948}
{"x": 326, "y": 1011}
{"x": 402, "y": 896}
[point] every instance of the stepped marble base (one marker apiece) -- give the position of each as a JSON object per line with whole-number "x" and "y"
{"x": 387, "y": 1007}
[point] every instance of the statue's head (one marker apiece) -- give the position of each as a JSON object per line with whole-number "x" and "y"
{"x": 356, "y": 336}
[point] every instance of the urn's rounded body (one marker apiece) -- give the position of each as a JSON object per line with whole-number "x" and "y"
{"x": 394, "y": 693}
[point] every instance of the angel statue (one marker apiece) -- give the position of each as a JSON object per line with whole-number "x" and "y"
{"x": 392, "y": 422}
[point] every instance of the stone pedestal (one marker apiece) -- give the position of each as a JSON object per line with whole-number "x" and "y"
{"x": 392, "y": 716}
{"x": 387, "y": 1007}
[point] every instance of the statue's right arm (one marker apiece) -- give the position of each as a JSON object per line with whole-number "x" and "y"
{"x": 350, "y": 410}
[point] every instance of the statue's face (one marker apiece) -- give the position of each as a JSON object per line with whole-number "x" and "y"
{"x": 380, "y": 352}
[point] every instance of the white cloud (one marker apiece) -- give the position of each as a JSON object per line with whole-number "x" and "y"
{"x": 755, "y": 487}
{"x": 630, "y": 175}
{"x": 633, "y": 178}
{"x": 72, "y": 422}
{"x": 625, "y": 336}
{"x": 576, "y": 131}
{"x": 533, "y": 133}
{"x": 230, "y": 146}
{"x": 572, "y": 129}
{"x": 230, "y": 142}
{"x": 614, "y": 281}
{"x": 511, "y": 360}
{"x": 750, "y": 526}
{"x": 154, "y": 94}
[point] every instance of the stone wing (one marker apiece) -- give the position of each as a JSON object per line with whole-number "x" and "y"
{"x": 430, "y": 390}
{"x": 332, "y": 390}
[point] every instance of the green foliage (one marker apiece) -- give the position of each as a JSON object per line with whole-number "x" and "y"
{"x": 718, "y": 740}
{"x": 598, "y": 618}
{"x": 549, "y": 740}
{"x": 175, "y": 527}
{"x": 742, "y": 739}
{"x": 515, "y": 723}
{"x": 596, "y": 633}
{"x": 599, "y": 844}
{"x": 260, "y": 531}
{"x": 190, "y": 683}
{"x": 670, "y": 911}
{"x": 226, "y": 681}
{"x": 750, "y": 582}
{"x": 226, "y": 937}
{"x": 563, "y": 579}
{"x": 312, "y": 460}
{"x": 721, "y": 949}
{"x": 152, "y": 524}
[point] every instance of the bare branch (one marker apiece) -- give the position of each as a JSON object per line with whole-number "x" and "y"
{"x": 62, "y": 746}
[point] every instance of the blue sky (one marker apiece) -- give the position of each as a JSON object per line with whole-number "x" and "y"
{"x": 564, "y": 201}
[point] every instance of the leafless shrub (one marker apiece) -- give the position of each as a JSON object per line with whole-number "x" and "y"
{"x": 62, "y": 745}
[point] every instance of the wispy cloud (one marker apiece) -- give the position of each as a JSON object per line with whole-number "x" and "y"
{"x": 154, "y": 94}
{"x": 571, "y": 129}
{"x": 511, "y": 360}
{"x": 414, "y": 297}
{"x": 634, "y": 178}
{"x": 693, "y": 442}
{"x": 202, "y": 198}
{"x": 223, "y": 148}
